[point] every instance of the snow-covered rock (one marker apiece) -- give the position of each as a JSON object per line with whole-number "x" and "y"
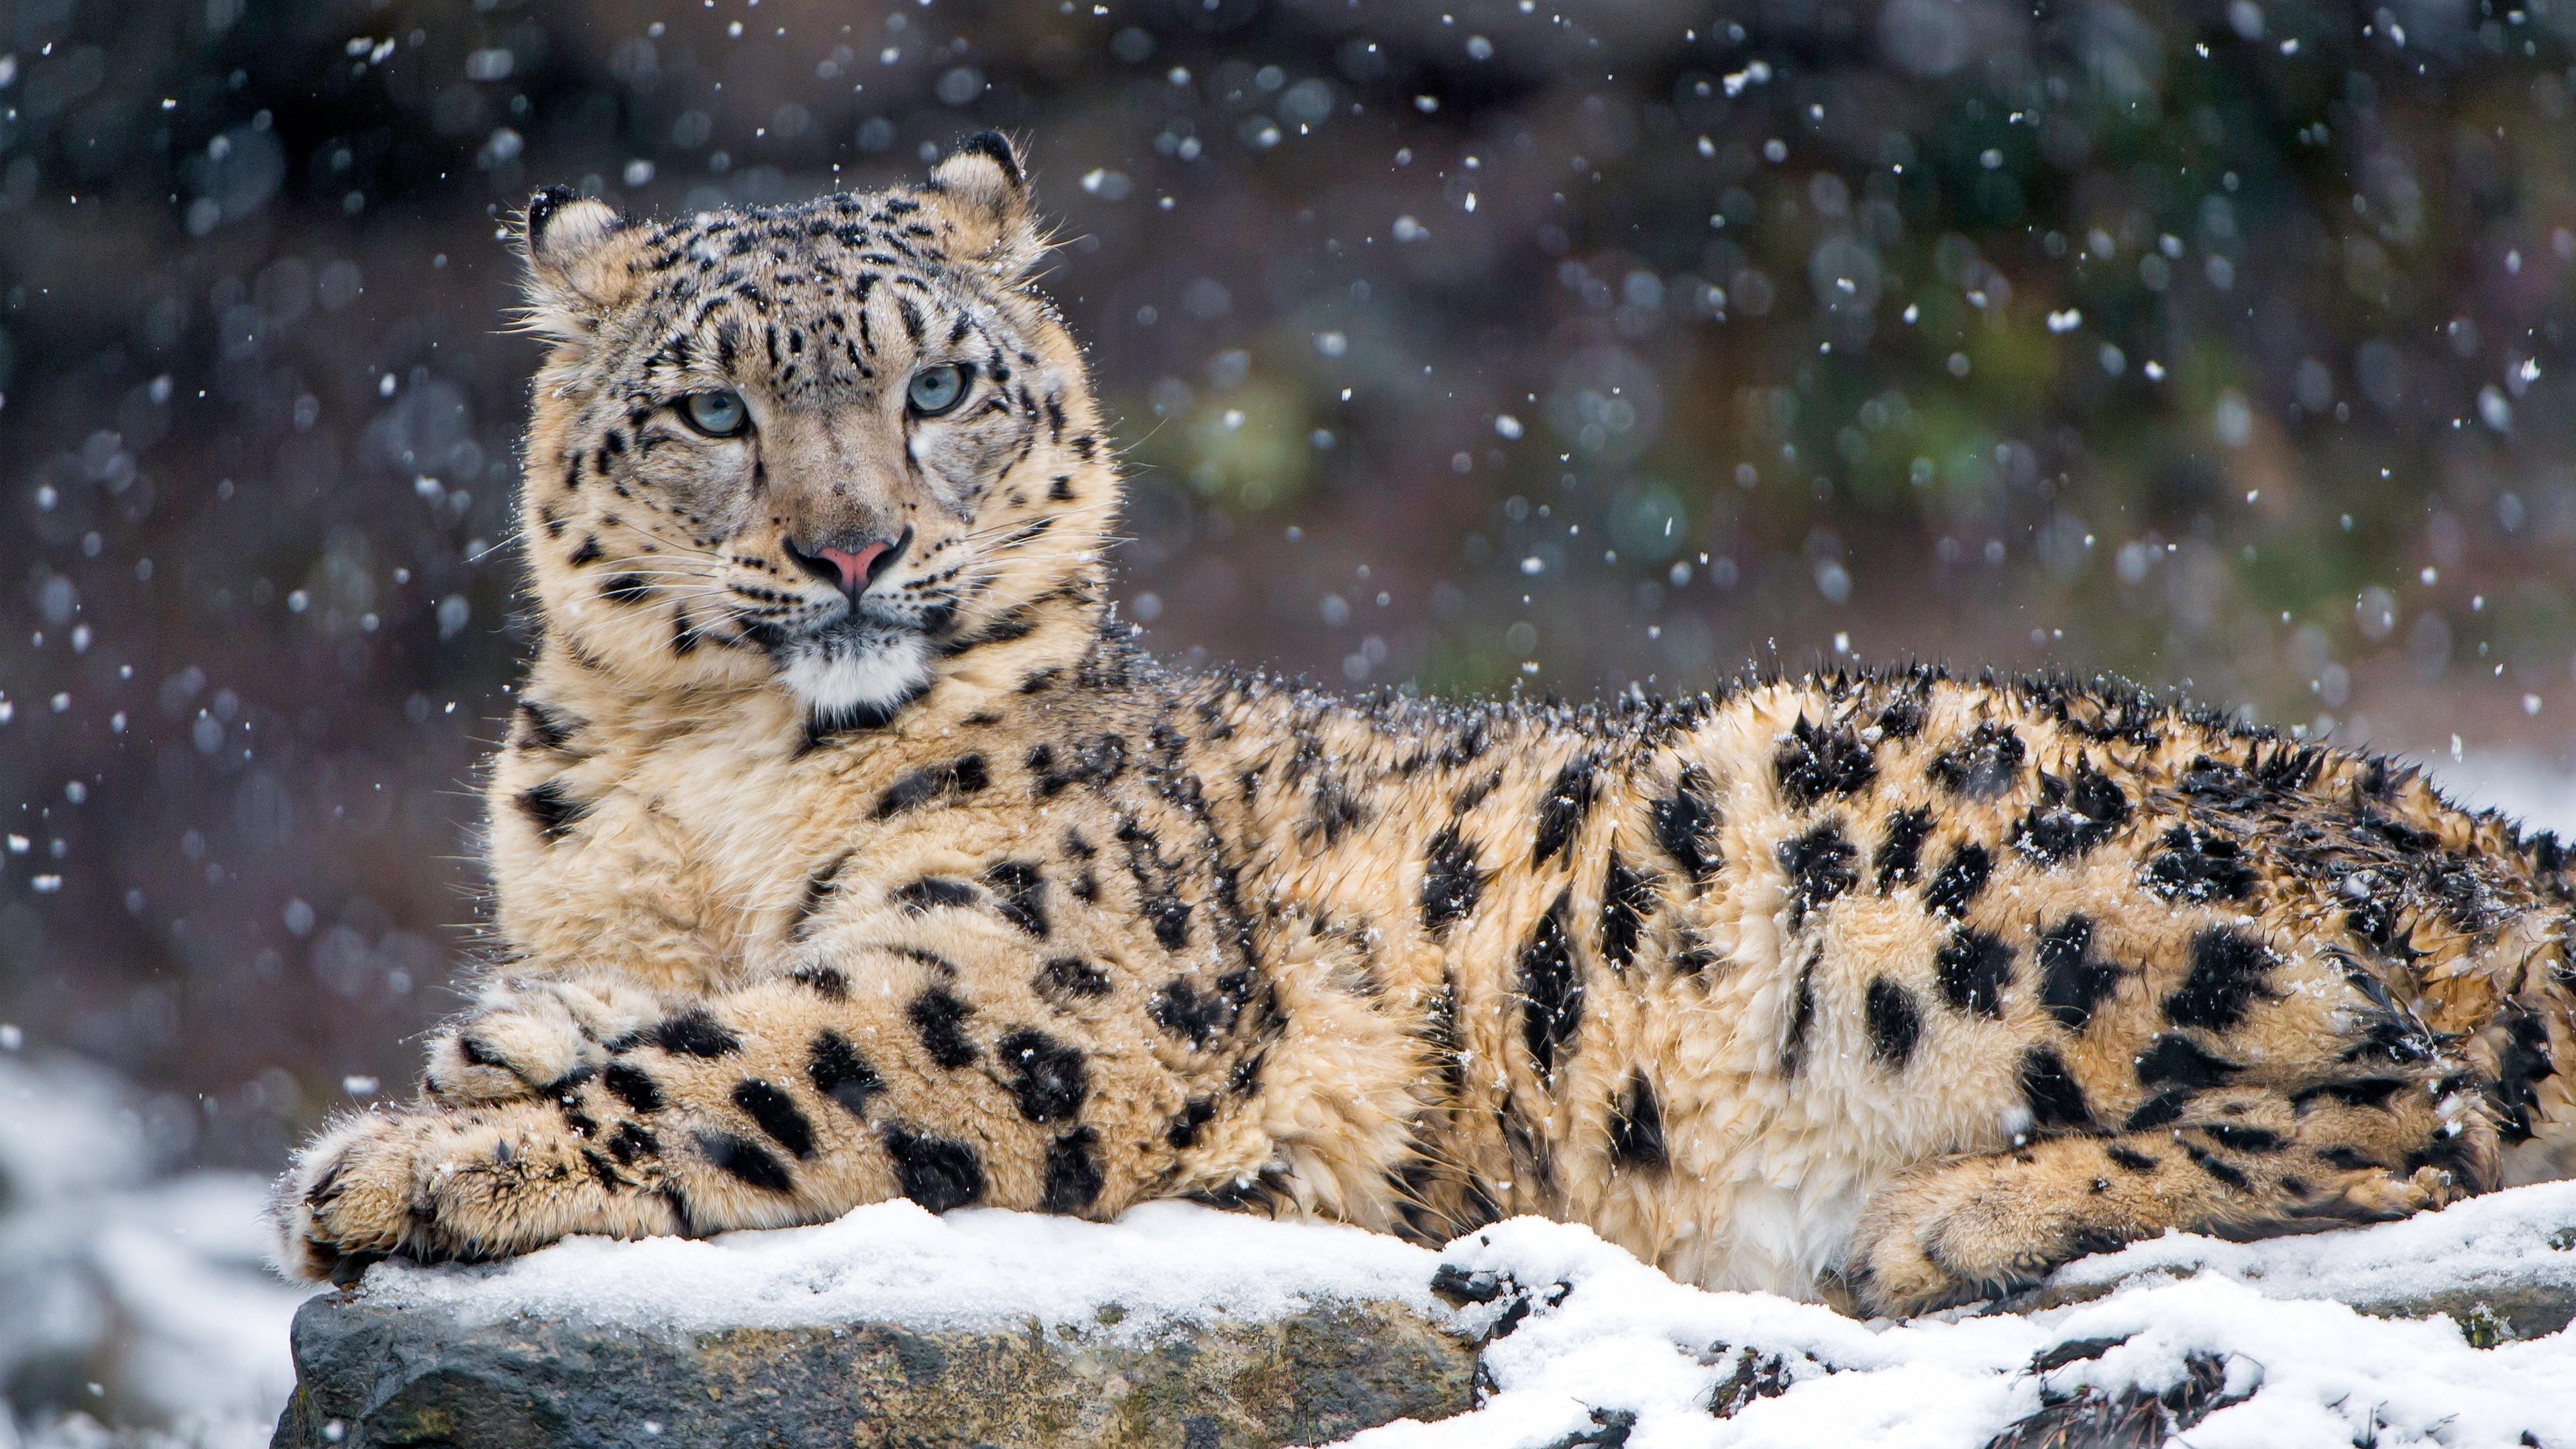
{"x": 1176, "y": 1326}
{"x": 2242, "y": 1343}
{"x": 1181, "y": 1326}
{"x": 2503, "y": 1265}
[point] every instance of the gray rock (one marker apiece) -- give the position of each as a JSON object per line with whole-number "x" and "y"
{"x": 371, "y": 1374}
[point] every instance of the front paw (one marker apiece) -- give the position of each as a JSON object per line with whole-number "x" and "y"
{"x": 531, "y": 1037}
{"x": 348, "y": 1199}
{"x": 461, "y": 1185}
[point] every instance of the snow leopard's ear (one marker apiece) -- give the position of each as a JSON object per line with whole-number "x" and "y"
{"x": 984, "y": 191}
{"x": 577, "y": 253}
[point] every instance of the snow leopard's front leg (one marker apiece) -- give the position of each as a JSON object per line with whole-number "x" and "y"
{"x": 950, "y": 1078}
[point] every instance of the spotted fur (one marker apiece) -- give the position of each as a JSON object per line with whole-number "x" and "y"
{"x": 1899, "y": 988}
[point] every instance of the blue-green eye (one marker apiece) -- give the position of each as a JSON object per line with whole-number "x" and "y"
{"x": 937, "y": 390}
{"x": 716, "y": 414}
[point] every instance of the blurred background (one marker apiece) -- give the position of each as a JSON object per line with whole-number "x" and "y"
{"x": 1496, "y": 347}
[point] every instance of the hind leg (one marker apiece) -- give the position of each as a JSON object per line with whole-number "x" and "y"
{"x": 2239, "y": 1164}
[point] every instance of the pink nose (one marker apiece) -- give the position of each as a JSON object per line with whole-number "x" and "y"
{"x": 854, "y": 566}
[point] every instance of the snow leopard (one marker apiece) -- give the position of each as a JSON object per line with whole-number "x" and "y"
{"x": 844, "y": 846}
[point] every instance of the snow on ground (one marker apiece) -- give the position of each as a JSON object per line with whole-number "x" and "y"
{"x": 1626, "y": 1344}
{"x": 133, "y": 1311}
{"x": 2493, "y": 1244}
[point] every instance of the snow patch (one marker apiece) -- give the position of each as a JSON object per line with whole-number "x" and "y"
{"x": 893, "y": 1262}
{"x": 2502, "y": 1242}
{"x": 1608, "y": 1344}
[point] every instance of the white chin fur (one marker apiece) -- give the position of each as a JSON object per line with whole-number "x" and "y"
{"x": 841, "y": 677}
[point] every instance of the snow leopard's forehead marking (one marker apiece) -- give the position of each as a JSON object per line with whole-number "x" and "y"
{"x": 685, "y": 553}
{"x": 822, "y": 303}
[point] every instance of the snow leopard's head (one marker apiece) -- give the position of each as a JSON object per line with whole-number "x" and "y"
{"x": 840, "y": 445}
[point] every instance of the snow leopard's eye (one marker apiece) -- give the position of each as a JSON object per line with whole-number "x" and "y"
{"x": 716, "y": 414}
{"x": 936, "y": 391}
